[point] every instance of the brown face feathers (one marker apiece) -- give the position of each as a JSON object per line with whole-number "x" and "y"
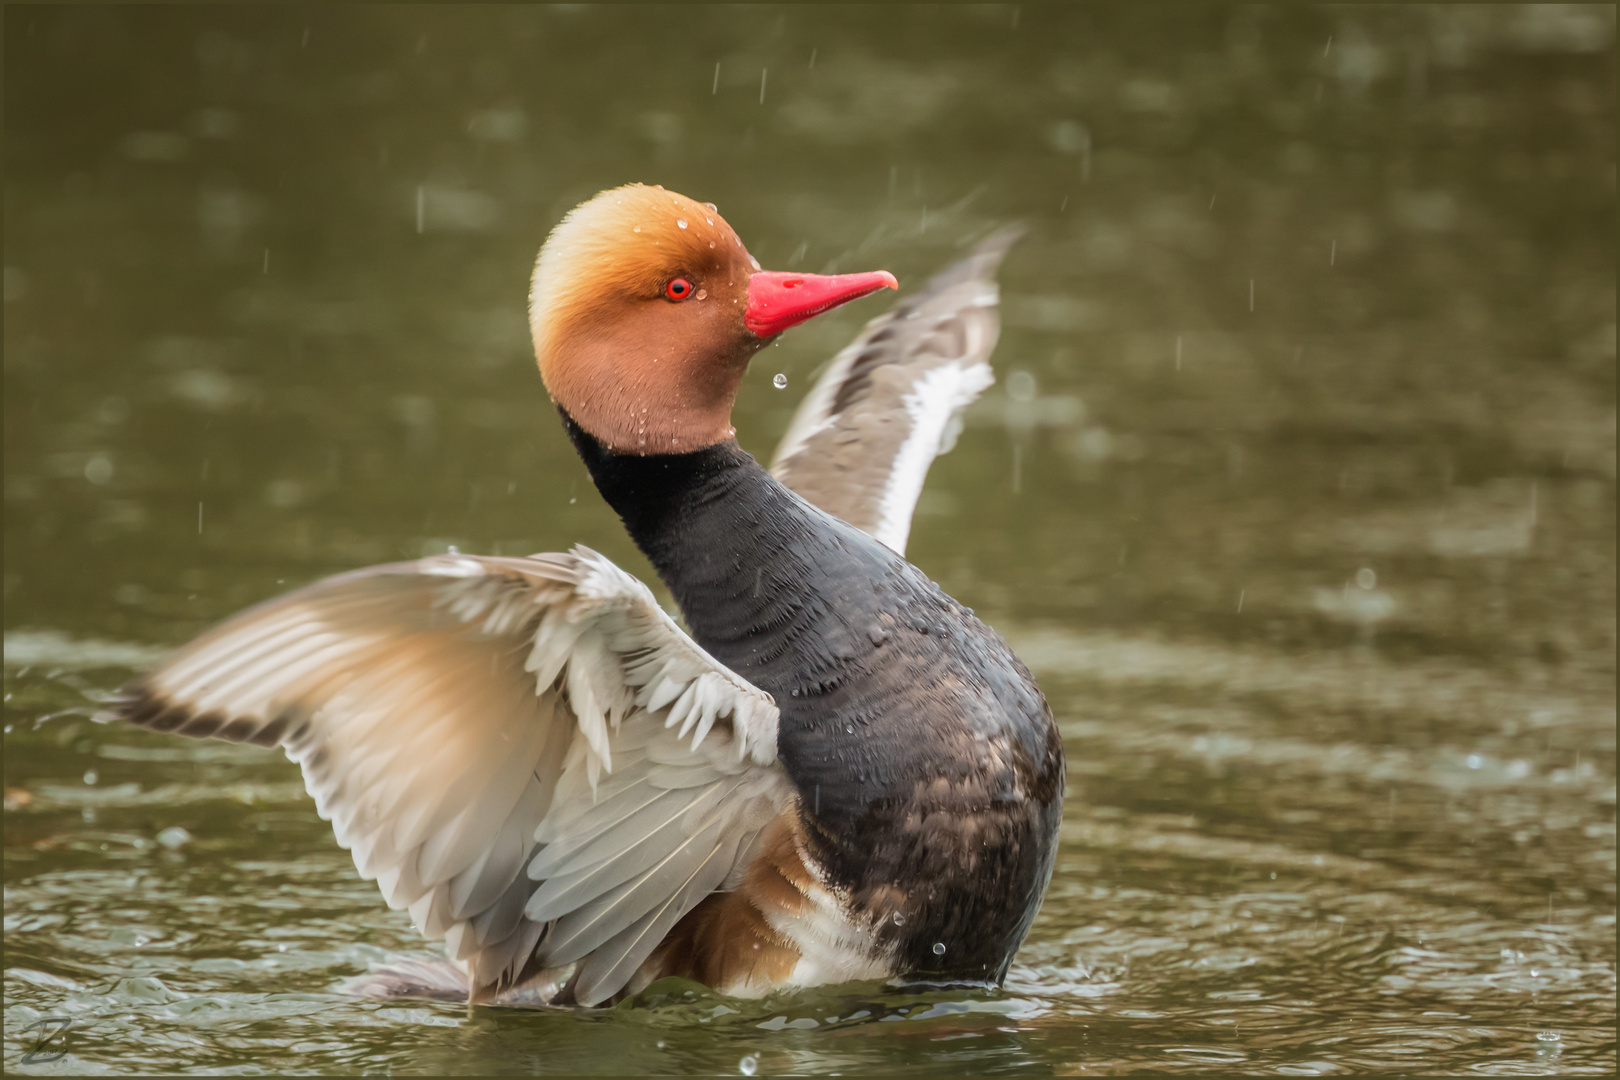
{"x": 643, "y": 373}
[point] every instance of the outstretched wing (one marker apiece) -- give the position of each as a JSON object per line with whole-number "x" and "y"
{"x": 862, "y": 441}
{"x": 528, "y": 754}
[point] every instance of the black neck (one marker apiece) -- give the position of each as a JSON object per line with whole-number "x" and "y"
{"x": 901, "y": 716}
{"x": 724, "y": 535}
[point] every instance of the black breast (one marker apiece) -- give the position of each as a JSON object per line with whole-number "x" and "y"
{"x": 929, "y": 769}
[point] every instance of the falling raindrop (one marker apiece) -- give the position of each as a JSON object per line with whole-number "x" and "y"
{"x": 780, "y": 381}
{"x": 98, "y": 470}
{"x": 681, "y": 222}
{"x": 1366, "y": 578}
{"x": 91, "y": 777}
{"x": 939, "y": 948}
{"x": 748, "y": 1065}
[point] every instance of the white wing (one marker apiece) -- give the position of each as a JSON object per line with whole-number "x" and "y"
{"x": 862, "y": 441}
{"x": 461, "y": 719}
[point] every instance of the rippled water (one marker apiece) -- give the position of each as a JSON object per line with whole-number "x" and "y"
{"x": 1297, "y": 493}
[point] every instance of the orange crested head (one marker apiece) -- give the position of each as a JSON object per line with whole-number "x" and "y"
{"x": 645, "y": 308}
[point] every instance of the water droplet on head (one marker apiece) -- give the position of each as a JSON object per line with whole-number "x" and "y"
{"x": 899, "y": 919}
{"x": 681, "y": 222}
{"x": 939, "y": 948}
{"x": 780, "y": 382}
{"x": 636, "y": 228}
{"x": 703, "y": 294}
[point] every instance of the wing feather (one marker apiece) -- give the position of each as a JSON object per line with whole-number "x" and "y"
{"x": 612, "y": 965}
{"x": 863, "y": 439}
{"x": 528, "y": 755}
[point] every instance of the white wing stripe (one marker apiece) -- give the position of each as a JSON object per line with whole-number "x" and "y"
{"x": 930, "y": 405}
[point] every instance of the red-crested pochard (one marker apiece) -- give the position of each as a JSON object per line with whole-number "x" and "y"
{"x": 836, "y": 773}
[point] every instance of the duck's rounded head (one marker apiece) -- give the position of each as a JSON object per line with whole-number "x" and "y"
{"x": 646, "y": 308}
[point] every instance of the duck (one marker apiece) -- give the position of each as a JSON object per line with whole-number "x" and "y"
{"x": 828, "y": 771}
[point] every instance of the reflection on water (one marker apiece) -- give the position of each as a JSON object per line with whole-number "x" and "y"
{"x": 1297, "y": 492}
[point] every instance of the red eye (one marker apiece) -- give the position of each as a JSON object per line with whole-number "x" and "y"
{"x": 678, "y": 289}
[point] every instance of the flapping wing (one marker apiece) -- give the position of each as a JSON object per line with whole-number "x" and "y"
{"x": 528, "y": 754}
{"x": 891, "y": 401}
